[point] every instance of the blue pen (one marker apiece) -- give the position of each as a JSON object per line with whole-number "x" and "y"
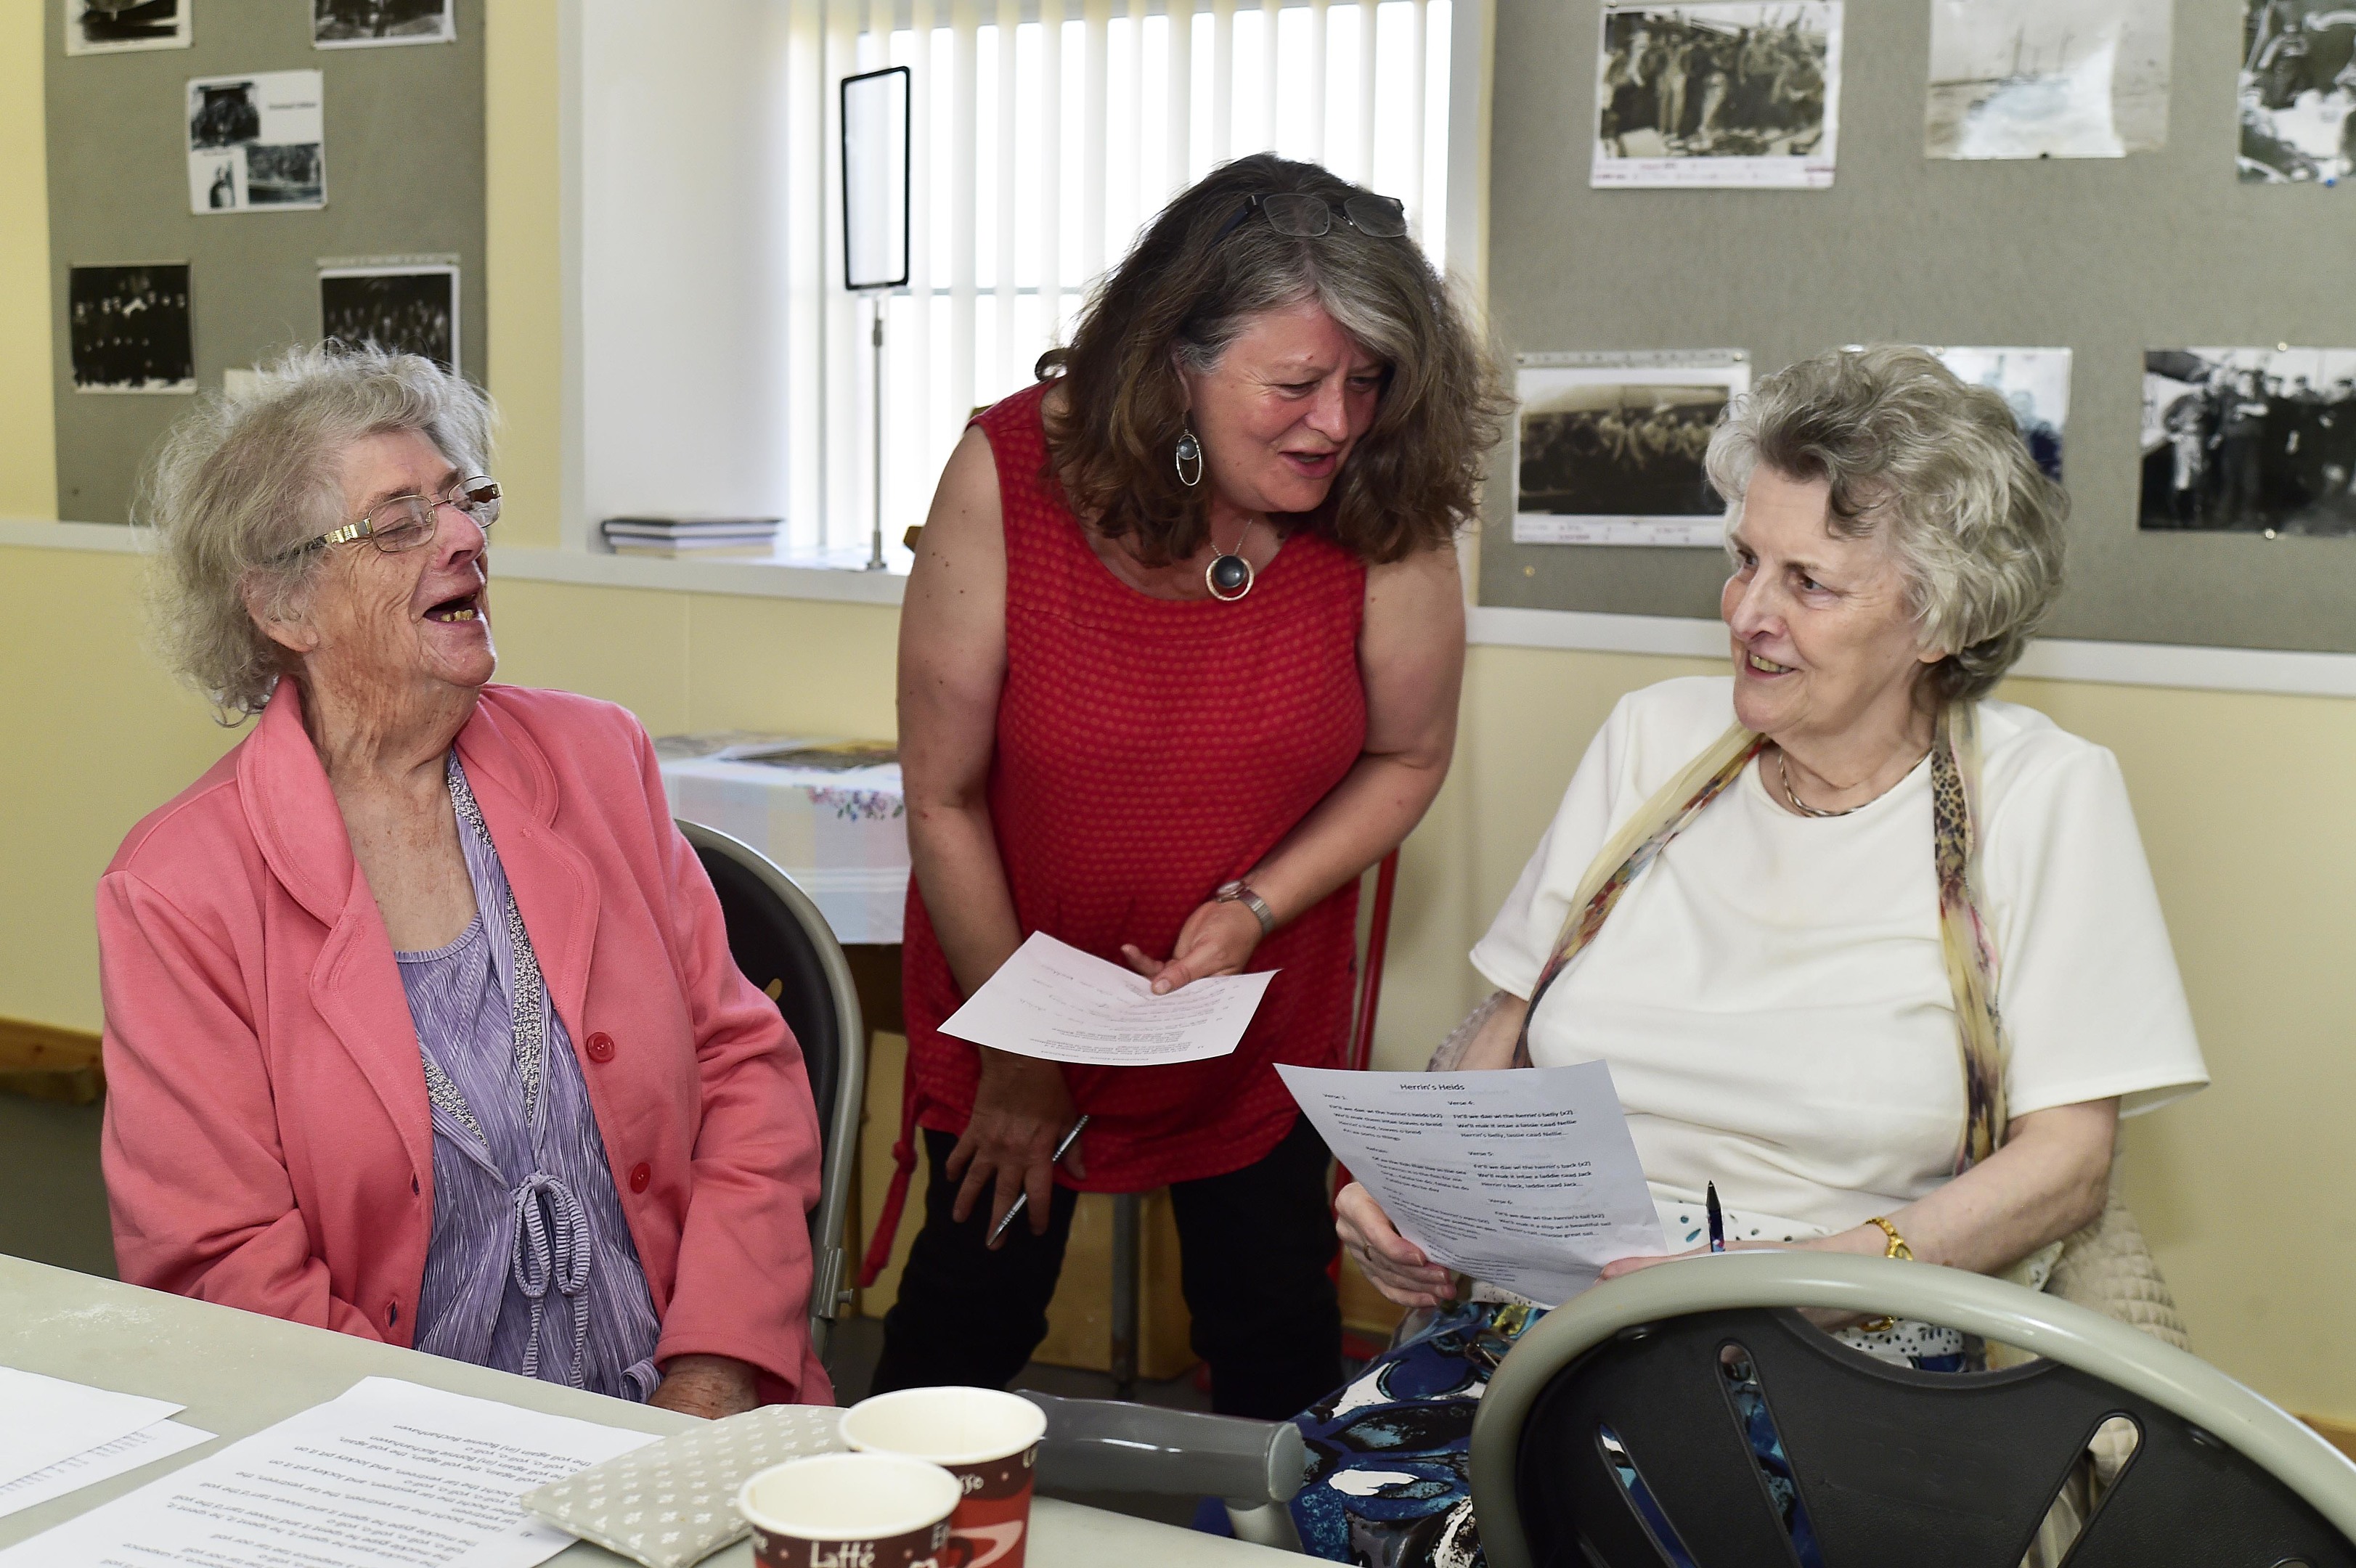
{"x": 1717, "y": 1219}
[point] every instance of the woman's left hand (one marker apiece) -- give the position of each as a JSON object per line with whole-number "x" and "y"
{"x": 708, "y": 1386}
{"x": 1217, "y": 939}
{"x": 1839, "y": 1242}
{"x": 1619, "y": 1267}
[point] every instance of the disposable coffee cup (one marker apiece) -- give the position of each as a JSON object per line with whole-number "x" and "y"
{"x": 988, "y": 1440}
{"x": 849, "y": 1511}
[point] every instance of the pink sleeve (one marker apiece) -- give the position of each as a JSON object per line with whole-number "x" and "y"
{"x": 196, "y": 1180}
{"x": 744, "y": 1283}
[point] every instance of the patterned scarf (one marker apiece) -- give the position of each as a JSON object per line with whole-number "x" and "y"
{"x": 1963, "y": 935}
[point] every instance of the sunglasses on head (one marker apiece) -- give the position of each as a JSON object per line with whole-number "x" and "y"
{"x": 1301, "y": 217}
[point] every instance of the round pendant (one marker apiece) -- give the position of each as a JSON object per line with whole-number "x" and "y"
{"x": 1229, "y": 577}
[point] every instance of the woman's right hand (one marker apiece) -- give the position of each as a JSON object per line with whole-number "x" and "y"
{"x": 1396, "y": 1265}
{"x": 1021, "y": 1111}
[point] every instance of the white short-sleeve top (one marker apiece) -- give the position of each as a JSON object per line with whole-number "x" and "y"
{"x": 1770, "y": 992}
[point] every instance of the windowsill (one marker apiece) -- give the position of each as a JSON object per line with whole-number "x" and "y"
{"x": 2048, "y": 658}
{"x": 835, "y": 577}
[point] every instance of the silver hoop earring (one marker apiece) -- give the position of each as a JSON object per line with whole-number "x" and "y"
{"x": 1189, "y": 453}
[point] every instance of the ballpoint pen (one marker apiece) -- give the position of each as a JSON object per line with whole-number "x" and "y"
{"x": 1023, "y": 1198}
{"x": 1717, "y": 1219}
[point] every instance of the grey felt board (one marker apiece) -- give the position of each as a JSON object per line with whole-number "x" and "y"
{"x": 2106, "y": 257}
{"x": 404, "y": 167}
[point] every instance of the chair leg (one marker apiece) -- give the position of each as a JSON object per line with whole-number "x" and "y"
{"x": 1263, "y": 1524}
{"x": 1125, "y": 1260}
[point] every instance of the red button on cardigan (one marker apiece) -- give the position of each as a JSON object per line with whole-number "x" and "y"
{"x": 641, "y": 1177}
{"x": 601, "y": 1046}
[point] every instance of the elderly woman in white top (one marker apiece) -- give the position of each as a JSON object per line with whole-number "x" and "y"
{"x": 1749, "y": 900}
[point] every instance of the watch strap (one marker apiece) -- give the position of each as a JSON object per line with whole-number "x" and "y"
{"x": 1241, "y": 892}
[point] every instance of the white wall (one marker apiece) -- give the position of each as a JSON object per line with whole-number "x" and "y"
{"x": 682, "y": 329}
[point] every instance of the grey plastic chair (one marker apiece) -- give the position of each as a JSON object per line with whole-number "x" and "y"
{"x": 1112, "y": 1445}
{"x": 785, "y": 946}
{"x": 1610, "y": 1437}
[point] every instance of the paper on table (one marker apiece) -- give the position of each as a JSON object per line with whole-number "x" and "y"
{"x": 103, "y": 1463}
{"x": 391, "y": 1472}
{"x": 49, "y": 1419}
{"x": 1526, "y": 1178}
{"x": 1053, "y": 1001}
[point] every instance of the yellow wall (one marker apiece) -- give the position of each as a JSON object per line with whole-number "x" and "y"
{"x": 2240, "y": 797}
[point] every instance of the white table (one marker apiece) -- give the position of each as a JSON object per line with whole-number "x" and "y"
{"x": 842, "y": 835}
{"x": 238, "y": 1372}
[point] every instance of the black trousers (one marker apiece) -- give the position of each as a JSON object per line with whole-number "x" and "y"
{"x": 1253, "y": 1246}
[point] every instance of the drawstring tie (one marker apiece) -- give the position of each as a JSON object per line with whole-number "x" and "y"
{"x": 551, "y": 1247}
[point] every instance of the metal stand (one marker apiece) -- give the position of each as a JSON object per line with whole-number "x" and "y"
{"x": 875, "y": 545}
{"x": 1125, "y": 1261}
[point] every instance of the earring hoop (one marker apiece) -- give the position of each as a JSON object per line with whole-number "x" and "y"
{"x": 1190, "y": 451}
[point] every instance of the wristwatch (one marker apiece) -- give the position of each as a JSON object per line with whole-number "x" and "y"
{"x": 1239, "y": 892}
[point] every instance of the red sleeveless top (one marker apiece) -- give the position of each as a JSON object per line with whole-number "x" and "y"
{"x": 1149, "y": 750}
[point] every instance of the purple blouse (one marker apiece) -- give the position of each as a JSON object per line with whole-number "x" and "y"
{"x": 529, "y": 1267}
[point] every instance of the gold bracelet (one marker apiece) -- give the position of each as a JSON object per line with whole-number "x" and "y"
{"x": 1897, "y": 1248}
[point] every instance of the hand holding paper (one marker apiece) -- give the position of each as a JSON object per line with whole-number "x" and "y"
{"x": 1526, "y": 1178}
{"x": 1053, "y": 1001}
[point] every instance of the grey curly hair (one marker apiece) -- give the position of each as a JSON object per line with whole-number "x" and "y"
{"x": 1936, "y": 466}
{"x": 242, "y": 481}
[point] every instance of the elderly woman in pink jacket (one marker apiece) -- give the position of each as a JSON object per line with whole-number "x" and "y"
{"x": 421, "y": 1021}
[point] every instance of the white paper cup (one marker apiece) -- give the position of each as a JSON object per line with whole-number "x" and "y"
{"x": 878, "y": 1510}
{"x": 988, "y": 1440}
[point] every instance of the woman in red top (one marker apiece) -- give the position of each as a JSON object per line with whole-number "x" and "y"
{"x": 1179, "y": 661}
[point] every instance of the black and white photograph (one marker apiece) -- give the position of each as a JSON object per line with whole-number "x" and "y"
{"x": 2250, "y": 441}
{"x": 257, "y": 142}
{"x": 2033, "y": 383}
{"x": 127, "y": 328}
{"x": 284, "y": 175}
{"x": 2298, "y": 92}
{"x": 365, "y": 23}
{"x": 1717, "y": 95}
{"x": 2047, "y": 78}
{"x": 116, "y": 27}
{"x": 408, "y": 309}
{"x": 1609, "y": 447}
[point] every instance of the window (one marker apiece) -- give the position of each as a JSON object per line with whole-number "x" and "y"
{"x": 1045, "y": 134}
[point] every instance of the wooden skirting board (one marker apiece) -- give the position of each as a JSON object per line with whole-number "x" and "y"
{"x": 43, "y": 1062}
{"x": 2340, "y": 1435}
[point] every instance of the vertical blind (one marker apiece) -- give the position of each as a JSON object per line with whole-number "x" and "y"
{"x": 1045, "y": 134}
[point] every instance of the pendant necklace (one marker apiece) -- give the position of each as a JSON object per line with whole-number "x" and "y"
{"x": 1230, "y": 575}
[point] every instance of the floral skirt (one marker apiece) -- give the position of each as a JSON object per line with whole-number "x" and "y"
{"x": 1389, "y": 1484}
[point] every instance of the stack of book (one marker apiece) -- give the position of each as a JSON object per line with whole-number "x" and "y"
{"x": 691, "y": 536}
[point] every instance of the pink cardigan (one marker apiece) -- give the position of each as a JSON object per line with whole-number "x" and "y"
{"x": 268, "y": 1142}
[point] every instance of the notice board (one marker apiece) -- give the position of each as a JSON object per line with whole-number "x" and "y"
{"x": 403, "y": 186}
{"x": 2108, "y": 257}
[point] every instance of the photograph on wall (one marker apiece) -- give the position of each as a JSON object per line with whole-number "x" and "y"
{"x": 366, "y": 24}
{"x": 410, "y": 310}
{"x": 1717, "y": 95}
{"x": 2047, "y": 78}
{"x": 257, "y": 142}
{"x": 2034, "y": 382}
{"x": 112, "y": 27}
{"x": 2297, "y": 92}
{"x": 127, "y": 328}
{"x": 1608, "y": 447}
{"x": 2250, "y": 441}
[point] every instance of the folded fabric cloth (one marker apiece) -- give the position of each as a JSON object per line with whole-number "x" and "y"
{"x": 672, "y": 1503}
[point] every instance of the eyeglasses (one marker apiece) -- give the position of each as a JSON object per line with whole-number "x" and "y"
{"x": 407, "y": 521}
{"x": 1301, "y": 217}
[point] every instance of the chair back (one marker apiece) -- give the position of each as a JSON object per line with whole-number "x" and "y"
{"x": 1685, "y": 1416}
{"x": 785, "y": 947}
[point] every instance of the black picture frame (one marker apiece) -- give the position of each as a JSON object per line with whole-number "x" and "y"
{"x": 869, "y": 81}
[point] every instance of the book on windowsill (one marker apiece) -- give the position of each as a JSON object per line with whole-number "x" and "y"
{"x": 696, "y": 536}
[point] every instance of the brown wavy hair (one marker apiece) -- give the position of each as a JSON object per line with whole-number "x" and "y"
{"x": 1185, "y": 291}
